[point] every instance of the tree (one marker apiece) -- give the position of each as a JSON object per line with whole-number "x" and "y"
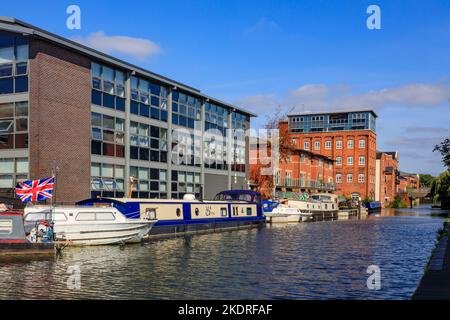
{"x": 440, "y": 189}
{"x": 426, "y": 180}
{"x": 444, "y": 149}
{"x": 265, "y": 183}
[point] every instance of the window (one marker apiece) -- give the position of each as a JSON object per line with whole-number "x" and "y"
{"x": 12, "y": 171}
{"x": 14, "y": 125}
{"x": 306, "y": 145}
{"x": 107, "y": 179}
{"x": 13, "y": 64}
{"x": 149, "y": 183}
{"x": 85, "y": 216}
{"x": 6, "y": 226}
{"x": 349, "y": 178}
{"x": 288, "y": 178}
{"x": 338, "y": 178}
{"x": 328, "y": 144}
{"x": 108, "y": 135}
{"x": 362, "y": 160}
{"x": 187, "y": 109}
{"x": 104, "y": 216}
{"x": 185, "y": 182}
{"x": 349, "y": 161}
{"x": 108, "y": 87}
{"x": 350, "y": 144}
{"x": 223, "y": 212}
{"x": 149, "y": 99}
{"x": 338, "y": 144}
{"x": 361, "y": 178}
{"x": 249, "y": 211}
{"x": 317, "y": 145}
{"x": 339, "y": 161}
{"x": 362, "y": 143}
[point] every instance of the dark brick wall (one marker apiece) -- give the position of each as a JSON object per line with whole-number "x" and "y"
{"x": 60, "y": 118}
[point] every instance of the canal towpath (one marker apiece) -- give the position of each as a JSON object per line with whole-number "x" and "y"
{"x": 435, "y": 283}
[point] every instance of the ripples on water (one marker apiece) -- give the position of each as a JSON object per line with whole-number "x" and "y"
{"x": 320, "y": 260}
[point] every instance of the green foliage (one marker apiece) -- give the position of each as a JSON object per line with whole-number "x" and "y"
{"x": 444, "y": 149}
{"x": 426, "y": 180}
{"x": 367, "y": 199}
{"x": 440, "y": 189}
{"x": 397, "y": 203}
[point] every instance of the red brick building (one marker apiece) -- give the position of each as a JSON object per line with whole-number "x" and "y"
{"x": 347, "y": 137}
{"x": 387, "y": 171}
{"x": 302, "y": 171}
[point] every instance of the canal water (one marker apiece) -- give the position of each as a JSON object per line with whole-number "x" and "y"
{"x": 317, "y": 260}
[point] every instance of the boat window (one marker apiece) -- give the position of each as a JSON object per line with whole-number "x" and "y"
{"x": 105, "y": 216}
{"x": 85, "y": 216}
{"x": 59, "y": 216}
{"x": 6, "y": 226}
{"x": 197, "y": 212}
{"x": 36, "y": 216}
{"x": 249, "y": 211}
{"x": 326, "y": 206}
{"x": 178, "y": 212}
{"x": 223, "y": 212}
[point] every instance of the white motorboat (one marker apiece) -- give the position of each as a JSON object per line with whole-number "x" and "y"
{"x": 320, "y": 206}
{"x": 285, "y": 213}
{"x": 83, "y": 225}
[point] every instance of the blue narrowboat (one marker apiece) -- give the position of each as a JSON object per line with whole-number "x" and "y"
{"x": 230, "y": 209}
{"x": 373, "y": 207}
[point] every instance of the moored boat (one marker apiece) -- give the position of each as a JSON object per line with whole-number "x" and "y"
{"x": 320, "y": 206}
{"x": 81, "y": 225}
{"x": 285, "y": 213}
{"x": 13, "y": 240}
{"x": 373, "y": 207}
{"x": 230, "y": 209}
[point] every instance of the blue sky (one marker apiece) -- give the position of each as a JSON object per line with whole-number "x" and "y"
{"x": 307, "y": 55}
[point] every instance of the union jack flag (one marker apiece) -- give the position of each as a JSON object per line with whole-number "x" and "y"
{"x": 35, "y": 190}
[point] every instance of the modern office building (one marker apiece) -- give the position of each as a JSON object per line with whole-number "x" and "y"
{"x": 347, "y": 137}
{"x": 101, "y": 120}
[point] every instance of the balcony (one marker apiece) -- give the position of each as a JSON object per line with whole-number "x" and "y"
{"x": 305, "y": 184}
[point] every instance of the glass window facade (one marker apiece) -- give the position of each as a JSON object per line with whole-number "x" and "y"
{"x": 107, "y": 135}
{"x": 149, "y": 182}
{"x": 216, "y": 124}
{"x": 12, "y": 171}
{"x": 13, "y": 64}
{"x": 148, "y": 143}
{"x": 108, "y": 87}
{"x": 14, "y": 125}
{"x": 358, "y": 120}
{"x": 185, "y": 182}
{"x": 107, "y": 180}
{"x": 239, "y": 125}
{"x": 148, "y": 99}
{"x": 186, "y": 110}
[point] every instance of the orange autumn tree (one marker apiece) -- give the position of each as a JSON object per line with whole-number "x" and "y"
{"x": 264, "y": 184}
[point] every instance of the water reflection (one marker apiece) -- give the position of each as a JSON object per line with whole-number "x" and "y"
{"x": 319, "y": 260}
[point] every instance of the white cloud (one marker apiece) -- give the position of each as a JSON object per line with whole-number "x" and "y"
{"x": 410, "y": 95}
{"x": 322, "y": 97}
{"x": 134, "y": 47}
{"x": 263, "y": 25}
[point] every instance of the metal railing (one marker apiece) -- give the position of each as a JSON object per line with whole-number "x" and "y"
{"x": 307, "y": 184}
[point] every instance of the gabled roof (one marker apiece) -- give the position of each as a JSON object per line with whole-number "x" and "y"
{"x": 14, "y": 25}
